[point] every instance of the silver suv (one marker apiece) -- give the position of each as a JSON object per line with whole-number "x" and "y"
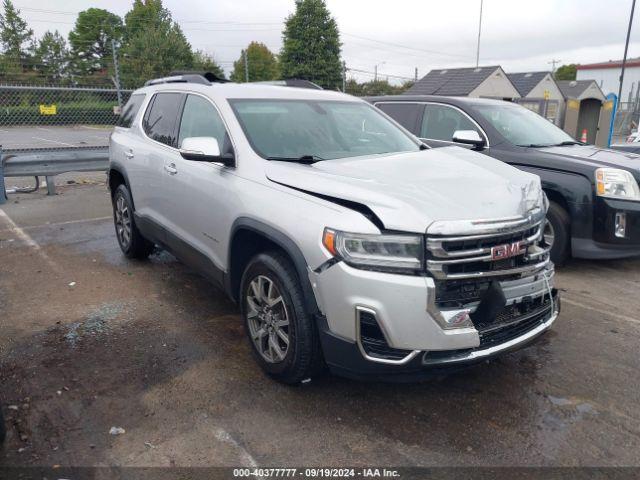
{"x": 345, "y": 241}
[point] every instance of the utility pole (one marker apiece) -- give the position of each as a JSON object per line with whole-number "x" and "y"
{"x": 415, "y": 75}
{"x": 626, "y": 48}
{"x": 116, "y": 69}
{"x": 246, "y": 66}
{"x": 344, "y": 77}
{"x": 375, "y": 71}
{"x": 553, "y": 63}
{"x": 479, "y": 32}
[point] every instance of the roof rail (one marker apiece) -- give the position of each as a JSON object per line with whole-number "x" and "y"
{"x": 292, "y": 82}
{"x": 179, "y": 76}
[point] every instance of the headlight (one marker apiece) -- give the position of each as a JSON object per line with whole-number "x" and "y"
{"x": 616, "y": 183}
{"x": 391, "y": 252}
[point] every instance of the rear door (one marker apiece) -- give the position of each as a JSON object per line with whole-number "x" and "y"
{"x": 160, "y": 125}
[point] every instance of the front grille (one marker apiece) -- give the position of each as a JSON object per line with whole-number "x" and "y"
{"x": 472, "y": 256}
{"x": 373, "y": 340}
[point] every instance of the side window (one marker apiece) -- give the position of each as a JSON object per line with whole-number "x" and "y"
{"x": 159, "y": 121}
{"x": 439, "y": 122}
{"x": 201, "y": 119}
{"x": 406, "y": 114}
{"x": 130, "y": 110}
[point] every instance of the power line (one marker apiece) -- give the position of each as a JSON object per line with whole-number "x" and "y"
{"x": 434, "y": 52}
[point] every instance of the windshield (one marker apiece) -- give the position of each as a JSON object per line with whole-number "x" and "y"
{"x": 321, "y": 130}
{"x": 523, "y": 127}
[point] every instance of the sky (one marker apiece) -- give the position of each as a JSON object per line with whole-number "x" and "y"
{"x": 397, "y": 36}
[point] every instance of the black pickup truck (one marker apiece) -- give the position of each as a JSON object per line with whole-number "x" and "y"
{"x": 594, "y": 209}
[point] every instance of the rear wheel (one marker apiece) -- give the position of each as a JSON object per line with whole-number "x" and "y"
{"x": 282, "y": 333}
{"x": 557, "y": 233}
{"x": 131, "y": 241}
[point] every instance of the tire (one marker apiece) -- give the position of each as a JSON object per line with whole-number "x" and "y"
{"x": 559, "y": 221}
{"x": 131, "y": 241}
{"x": 265, "y": 317}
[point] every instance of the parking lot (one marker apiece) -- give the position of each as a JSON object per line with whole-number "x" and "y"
{"x": 92, "y": 341}
{"x": 48, "y": 136}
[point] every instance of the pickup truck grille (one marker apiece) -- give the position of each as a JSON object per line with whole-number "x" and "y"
{"x": 501, "y": 254}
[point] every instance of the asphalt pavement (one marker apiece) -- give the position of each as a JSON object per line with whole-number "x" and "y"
{"x": 46, "y": 137}
{"x": 92, "y": 341}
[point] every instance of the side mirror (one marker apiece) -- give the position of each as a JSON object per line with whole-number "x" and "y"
{"x": 205, "y": 149}
{"x": 469, "y": 137}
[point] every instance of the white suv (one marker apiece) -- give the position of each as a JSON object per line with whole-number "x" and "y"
{"x": 345, "y": 241}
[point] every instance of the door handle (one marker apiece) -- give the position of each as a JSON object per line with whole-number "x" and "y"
{"x": 171, "y": 168}
{"x": 129, "y": 154}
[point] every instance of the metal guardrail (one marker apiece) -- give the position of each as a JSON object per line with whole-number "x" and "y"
{"x": 49, "y": 163}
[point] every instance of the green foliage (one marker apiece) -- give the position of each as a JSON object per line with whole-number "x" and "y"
{"x": 263, "y": 64}
{"x": 375, "y": 87}
{"x": 203, "y": 62}
{"x": 311, "y": 45}
{"x": 154, "y": 44}
{"x": 15, "y": 36}
{"x": 90, "y": 40}
{"x": 52, "y": 56}
{"x": 566, "y": 72}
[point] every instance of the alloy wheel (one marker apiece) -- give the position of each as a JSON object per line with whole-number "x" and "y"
{"x": 268, "y": 319}
{"x": 123, "y": 221}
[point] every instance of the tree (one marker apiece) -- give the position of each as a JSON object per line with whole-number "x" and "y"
{"x": 52, "y": 56}
{"x": 154, "y": 44}
{"x": 90, "y": 40}
{"x": 311, "y": 45}
{"x": 14, "y": 36}
{"x": 566, "y": 72}
{"x": 203, "y": 62}
{"x": 375, "y": 87}
{"x": 263, "y": 64}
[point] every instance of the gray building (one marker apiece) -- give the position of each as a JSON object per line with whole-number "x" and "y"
{"x": 541, "y": 94}
{"x": 487, "y": 82}
{"x": 587, "y": 109}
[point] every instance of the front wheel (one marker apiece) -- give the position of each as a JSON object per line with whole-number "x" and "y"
{"x": 557, "y": 233}
{"x": 282, "y": 333}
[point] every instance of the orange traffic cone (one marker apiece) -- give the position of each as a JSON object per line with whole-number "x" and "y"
{"x": 583, "y": 138}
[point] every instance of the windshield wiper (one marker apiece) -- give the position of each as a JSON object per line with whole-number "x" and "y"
{"x": 568, "y": 142}
{"x": 306, "y": 159}
{"x": 536, "y": 145}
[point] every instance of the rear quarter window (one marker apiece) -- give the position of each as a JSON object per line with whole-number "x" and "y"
{"x": 130, "y": 110}
{"x": 161, "y": 118}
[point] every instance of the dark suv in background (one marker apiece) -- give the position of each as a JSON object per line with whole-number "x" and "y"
{"x": 593, "y": 192}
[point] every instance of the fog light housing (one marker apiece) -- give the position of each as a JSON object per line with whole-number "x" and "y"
{"x": 621, "y": 225}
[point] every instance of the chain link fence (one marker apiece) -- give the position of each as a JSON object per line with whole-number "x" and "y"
{"x": 41, "y": 117}
{"x": 28, "y": 105}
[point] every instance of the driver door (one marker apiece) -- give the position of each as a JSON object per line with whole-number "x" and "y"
{"x": 200, "y": 193}
{"x": 440, "y": 122}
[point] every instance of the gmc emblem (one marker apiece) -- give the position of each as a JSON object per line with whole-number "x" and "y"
{"x": 508, "y": 250}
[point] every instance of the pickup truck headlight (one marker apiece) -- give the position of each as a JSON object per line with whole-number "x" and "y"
{"x": 616, "y": 183}
{"x": 385, "y": 252}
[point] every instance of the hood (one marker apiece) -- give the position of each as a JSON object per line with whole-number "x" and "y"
{"x": 596, "y": 157}
{"x": 409, "y": 191}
